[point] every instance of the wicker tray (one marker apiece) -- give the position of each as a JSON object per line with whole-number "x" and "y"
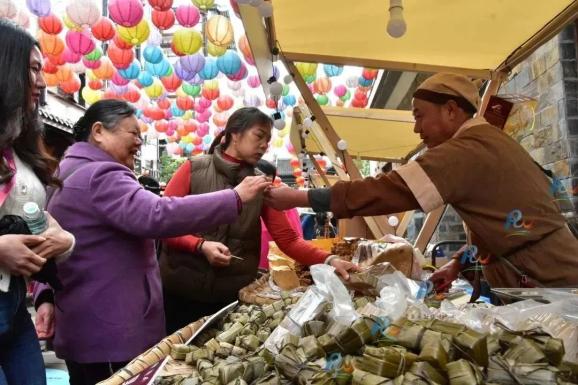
{"x": 261, "y": 291}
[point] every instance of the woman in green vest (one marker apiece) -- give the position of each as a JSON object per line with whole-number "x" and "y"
{"x": 202, "y": 273}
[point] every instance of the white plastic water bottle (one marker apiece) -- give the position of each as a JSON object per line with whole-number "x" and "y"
{"x": 34, "y": 218}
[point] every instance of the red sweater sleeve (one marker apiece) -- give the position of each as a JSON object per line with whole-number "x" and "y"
{"x": 179, "y": 186}
{"x": 289, "y": 241}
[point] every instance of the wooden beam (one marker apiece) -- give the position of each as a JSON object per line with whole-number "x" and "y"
{"x": 430, "y": 225}
{"x": 404, "y": 223}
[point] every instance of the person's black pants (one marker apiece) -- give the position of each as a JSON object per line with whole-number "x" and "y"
{"x": 180, "y": 311}
{"x": 90, "y": 374}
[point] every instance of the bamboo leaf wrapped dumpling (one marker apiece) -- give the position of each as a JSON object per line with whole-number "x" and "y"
{"x": 462, "y": 372}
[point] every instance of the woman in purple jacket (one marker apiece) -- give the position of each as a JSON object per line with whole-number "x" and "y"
{"x": 110, "y": 308}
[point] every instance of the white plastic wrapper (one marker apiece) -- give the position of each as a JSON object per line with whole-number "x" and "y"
{"x": 327, "y": 282}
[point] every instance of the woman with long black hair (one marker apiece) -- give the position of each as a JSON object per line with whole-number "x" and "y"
{"x": 25, "y": 171}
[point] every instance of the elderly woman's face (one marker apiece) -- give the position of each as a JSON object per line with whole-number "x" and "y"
{"x": 122, "y": 143}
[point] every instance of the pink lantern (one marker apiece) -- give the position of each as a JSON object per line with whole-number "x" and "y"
{"x": 22, "y": 19}
{"x": 203, "y": 116}
{"x": 198, "y": 108}
{"x": 340, "y": 90}
{"x": 71, "y": 57}
{"x": 203, "y": 129}
{"x": 127, "y": 13}
{"x": 83, "y": 12}
{"x": 39, "y": 8}
{"x": 91, "y": 64}
{"x": 188, "y": 15}
{"x": 253, "y": 81}
{"x": 173, "y": 125}
{"x": 79, "y": 42}
{"x": 7, "y": 9}
{"x": 205, "y": 103}
{"x": 119, "y": 80}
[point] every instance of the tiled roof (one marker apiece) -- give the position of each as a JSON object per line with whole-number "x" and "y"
{"x": 56, "y": 121}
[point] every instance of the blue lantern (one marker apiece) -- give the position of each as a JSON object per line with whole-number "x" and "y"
{"x": 289, "y": 100}
{"x": 145, "y": 79}
{"x": 176, "y": 111}
{"x": 210, "y": 69}
{"x": 363, "y": 82}
{"x": 132, "y": 71}
{"x": 332, "y": 70}
{"x": 153, "y": 54}
{"x": 163, "y": 68}
{"x": 229, "y": 63}
{"x": 189, "y": 147}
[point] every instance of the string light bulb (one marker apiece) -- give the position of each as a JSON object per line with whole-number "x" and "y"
{"x": 342, "y": 145}
{"x": 396, "y": 26}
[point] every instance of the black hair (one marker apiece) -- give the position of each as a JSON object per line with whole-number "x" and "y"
{"x": 239, "y": 122}
{"x": 20, "y": 125}
{"x": 109, "y": 112}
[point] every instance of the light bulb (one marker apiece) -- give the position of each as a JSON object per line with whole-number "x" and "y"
{"x": 276, "y": 89}
{"x": 342, "y": 145}
{"x": 393, "y": 221}
{"x": 307, "y": 122}
{"x": 266, "y": 9}
{"x": 256, "y": 3}
{"x": 396, "y": 26}
{"x": 279, "y": 124}
{"x": 287, "y": 79}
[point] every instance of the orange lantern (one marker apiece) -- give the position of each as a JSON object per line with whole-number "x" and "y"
{"x": 163, "y": 20}
{"x": 120, "y": 58}
{"x": 51, "y": 80}
{"x": 143, "y": 126}
{"x": 219, "y": 30}
{"x": 49, "y": 68}
{"x": 106, "y": 69}
{"x": 50, "y": 24}
{"x": 103, "y": 29}
{"x": 164, "y": 103}
{"x": 95, "y": 84}
{"x": 132, "y": 94}
{"x": 161, "y": 126}
{"x": 190, "y": 126}
{"x": 294, "y": 162}
{"x": 297, "y": 172}
{"x": 120, "y": 43}
{"x": 369, "y": 74}
{"x": 72, "y": 85}
{"x": 220, "y": 119}
{"x": 185, "y": 103}
{"x": 300, "y": 180}
{"x": 210, "y": 93}
{"x": 57, "y": 60}
{"x": 51, "y": 44}
{"x": 225, "y": 102}
{"x": 64, "y": 73}
{"x": 322, "y": 85}
{"x": 171, "y": 82}
{"x": 245, "y": 49}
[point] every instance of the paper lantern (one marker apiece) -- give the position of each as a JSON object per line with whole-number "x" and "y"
{"x": 119, "y": 80}
{"x": 229, "y": 63}
{"x": 271, "y": 103}
{"x": 103, "y": 29}
{"x": 70, "y": 24}
{"x": 7, "y": 9}
{"x": 39, "y": 8}
{"x": 155, "y": 90}
{"x": 300, "y": 180}
{"x": 120, "y": 58}
{"x": 50, "y": 24}
{"x": 163, "y": 20}
{"x": 252, "y": 101}
{"x": 64, "y": 73}
{"x": 185, "y": 103}
{"x": 132, "y": 71}
{"x": 322, "y": 85}
{"x": 95, "y": 54}
{"x": 145, "y": 78}
{"x": 191, "y": 89}
{"x": 153, "y": 54}
{"x": 187, "y": 15}
{"x": 204, "y": 4}
{"x": 245, "y": 49}
{"x": 127, "y": 13}
{"x": 161, "y": 5}
{"x": 91, "y": 64}
{"x": 51, "y": 44}
{"x": 204, "y": 103}
{"x": 51, "y": 80}
{"x": 135, "y": 35}
{"x": 161, "y": 126}
{"x": 171, "y": 82}
{"x": 160, "y": 69}
{"x": 210, "y": 94}
{"x": 225, "y": 102}
{"x": 120, "y": 42}
{"x": 352, "y": 81}
{"x": 177, "y": 112}
{"x": 49, "y": 68}
{"x": 332, "y": 70}
{"x": 187, "y": 41}
{"x": 192, "y": 63}
{"x": 181, "y": 73}
{"x": 106, "y": 69}
{"x": 72, "y": 85}
{"x": 340, "y": 90}
{"x": 219, "y": 30}
{"x": 369, "y": 74}
{"x": 289, "y": 100}
{"x": 210, "y": 69}
{"x": 306, "y": 69}
{"x": 91, "y": 96}
{"x": 83, "y": 13}
{"x": 70, "y": 57}
{"x": 96, "y": 84}
{"x": 253, "y": 81}
{"x": 363, "y": 82}
{"x": 322, "y": 99}
{"x": 132, "y": 95}
{"x": 297, "y": 172}
{"x": 294, "y": 162}
{"x": 164, "y": 103}
{"x": 80, "y": 42}
{"x": 155, "y": 38}
{"x": 239, "y": 75}
{"x": 215, "y": 50}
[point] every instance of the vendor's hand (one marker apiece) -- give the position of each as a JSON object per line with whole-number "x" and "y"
{"x": 285, "y": 198}
{"x": 251, "y": 186}
{"x": 16, "y": 256}
{"x": 217, "y": 254}
{"x": 343, "y": 267}
{"x": 58, "y": 241}
{"x": 45, "y": 321}
{"x": 443, "y": 278}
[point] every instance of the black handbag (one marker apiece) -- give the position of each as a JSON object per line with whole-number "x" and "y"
{"x": 13, "y": 224}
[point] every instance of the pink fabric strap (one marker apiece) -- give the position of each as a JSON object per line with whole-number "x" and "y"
{"x": 7, "y": 187}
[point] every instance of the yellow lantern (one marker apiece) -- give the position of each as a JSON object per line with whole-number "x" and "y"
{"x": 70, "y": 24}
{"x": 106, "y": 69}
{"x": 211, "y": 84}
{"x": 187, "y": 115}
{"x": 91, "y": 76}
{"x": 215, "y": 50}
{"x": 187, "y": 41}
{"x": 180, "y": 92}
{"x": 91, "y": 96}
{"x": 278, "y": 142}
{"x": 135, "y": 35}
{"x": 306, "y": 69}
{"x": 155, "y": 90}
{"x": 50, "y": 79}
{"x": 219, "y": 31}
{"x": 283, "y": 133}
{"x": 204, "y": 4}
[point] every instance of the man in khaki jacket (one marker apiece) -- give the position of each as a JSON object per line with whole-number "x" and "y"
{"x": 515, "y": 227}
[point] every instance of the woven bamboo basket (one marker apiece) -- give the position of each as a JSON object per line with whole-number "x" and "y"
{"x": 251, "y": 293}
{"x": 153, "y": 355}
